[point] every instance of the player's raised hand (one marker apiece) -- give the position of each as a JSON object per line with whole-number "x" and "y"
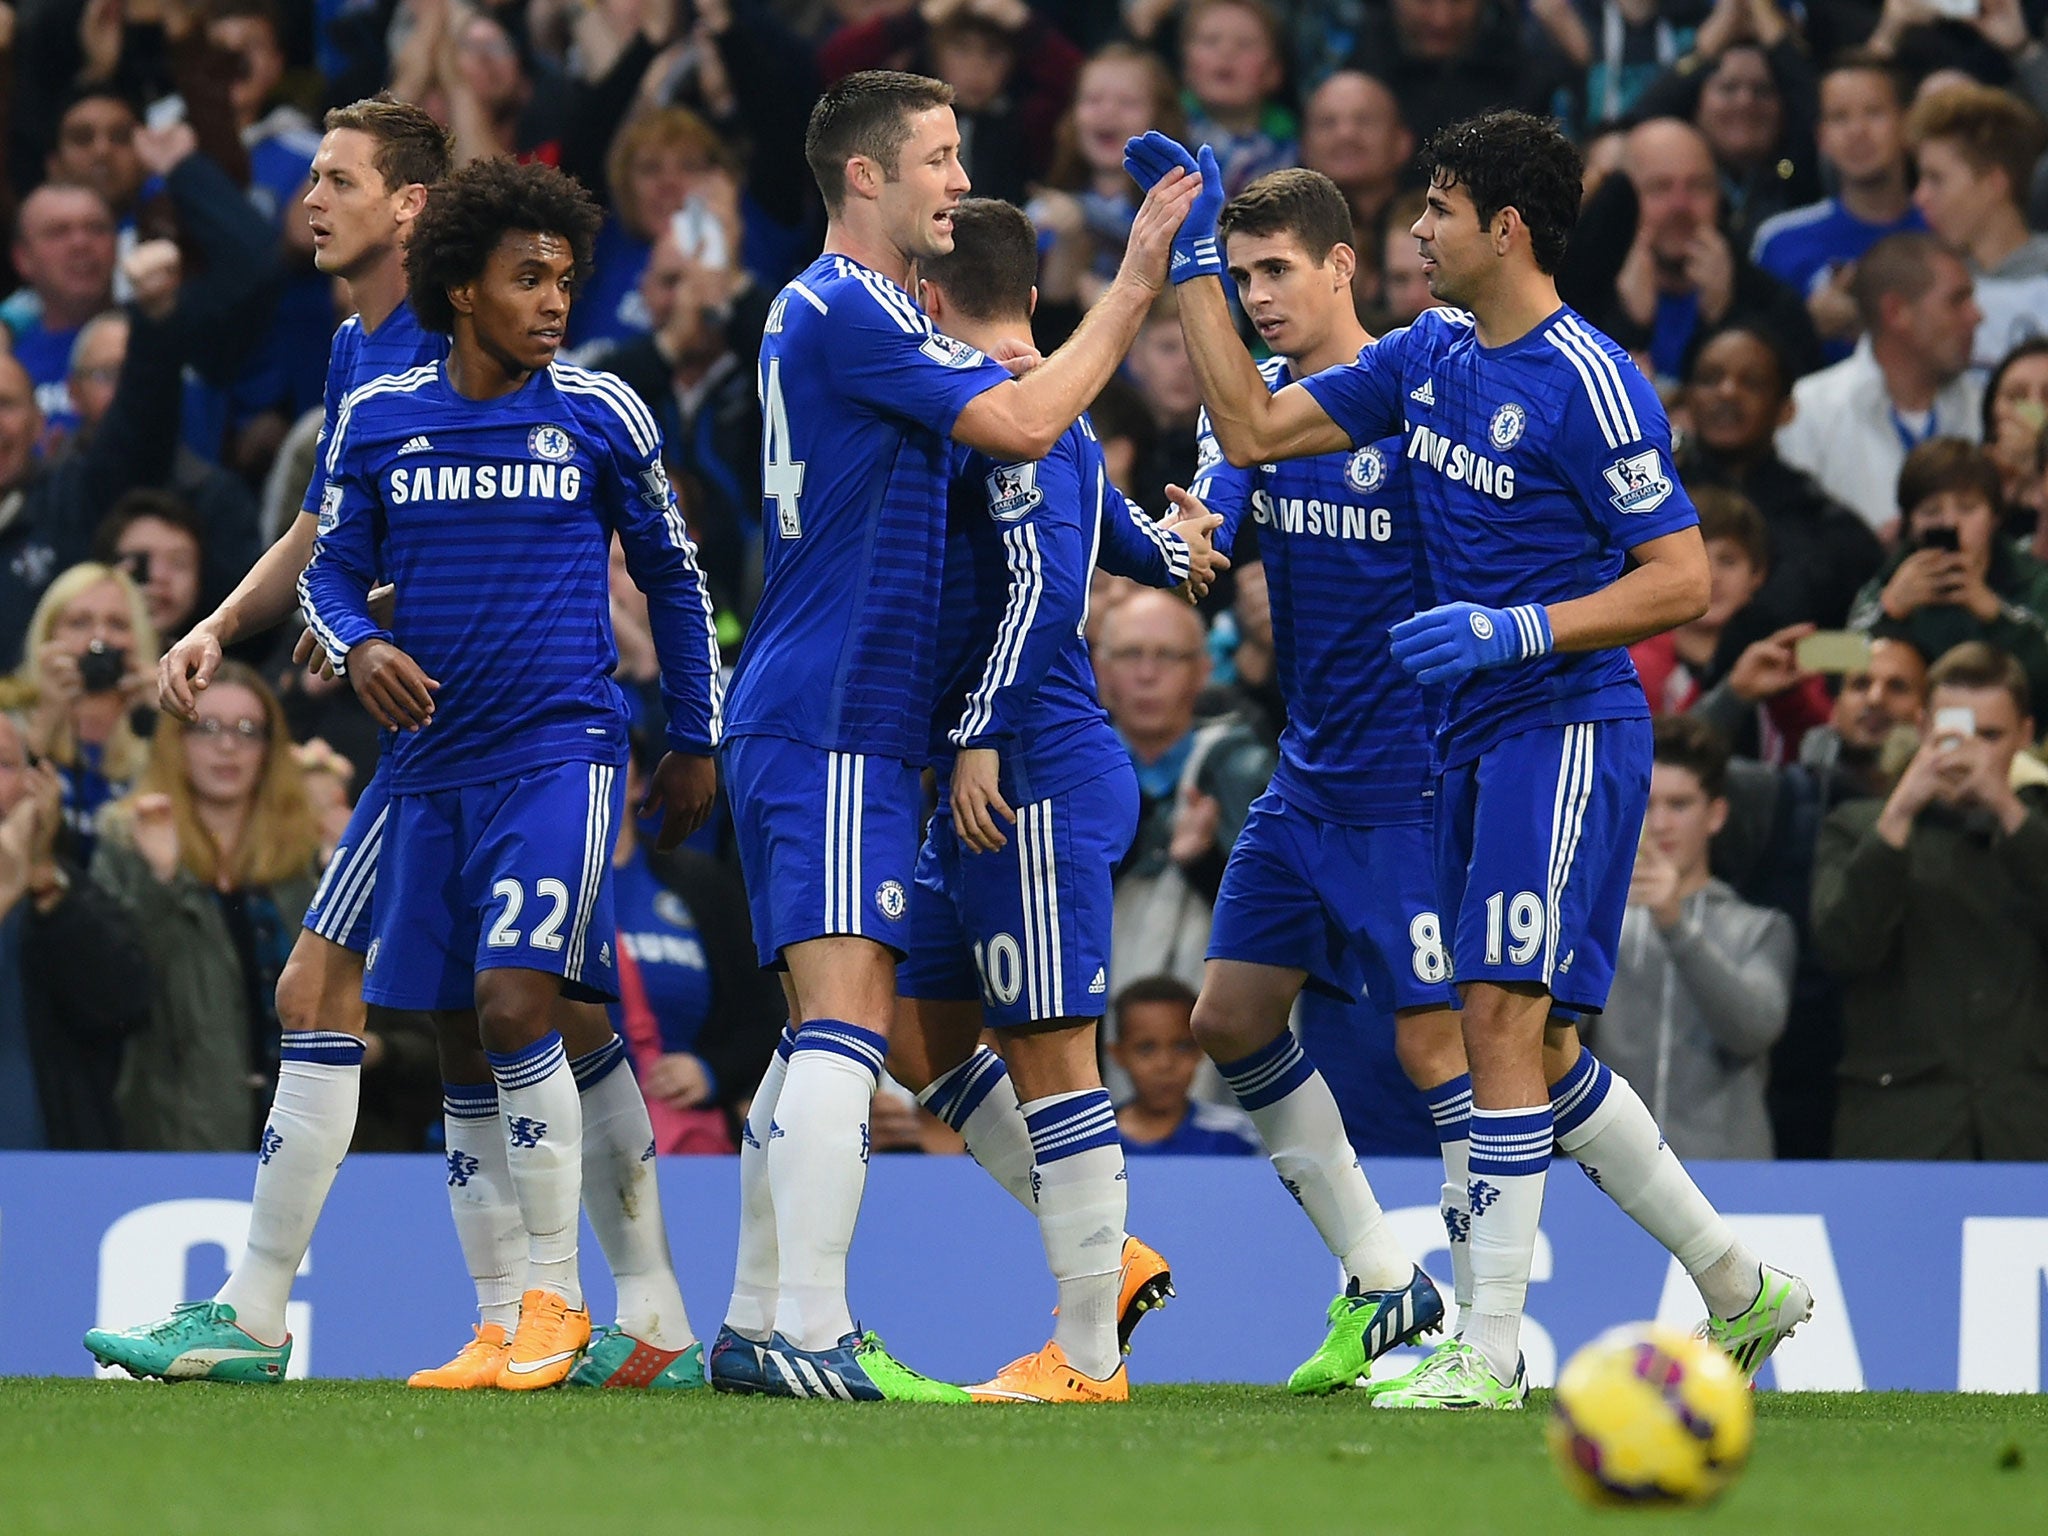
{"x": 398, "y": 695}
{"x": 1196, "y": 524}
{"x": 976, "y": 776}
{"x": 683, "y": 788}
{"x": 1450, "y": 643}
{"x": 1152, "y": 159}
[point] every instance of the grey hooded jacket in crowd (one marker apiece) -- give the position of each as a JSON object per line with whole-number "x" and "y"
{"x": 1693, "y": 1016}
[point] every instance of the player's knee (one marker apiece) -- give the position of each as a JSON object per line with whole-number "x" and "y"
{"x": 1226, "y": 1033}
{"x": 1429, "y": 1047}
{"x": 514, "y": 1008}
{"x": 315, "y": 990}
{"x": 584, "y": 1027}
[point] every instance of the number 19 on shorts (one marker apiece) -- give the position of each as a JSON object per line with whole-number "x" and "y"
{"x": 1514, "y": 924}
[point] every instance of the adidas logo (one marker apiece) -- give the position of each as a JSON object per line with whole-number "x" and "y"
{"x": 415, "y": 445}
{"x": 1099, "y": 985}
{"x": 1426, "y": 395}
{"x": 1180, "y": 259}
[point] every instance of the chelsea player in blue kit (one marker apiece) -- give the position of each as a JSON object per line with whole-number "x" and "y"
{"x": 370, "y": 178}
{"x": 371, "y": 175}
{"x": 490, "y": 486}
{"x": 1540, "y": 468}
{"x": 831, "y": 703}
{"x": 1009, "y": 917}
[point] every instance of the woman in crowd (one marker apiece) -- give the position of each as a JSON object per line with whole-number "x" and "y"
{"x": 1954, "y": 577}
{"x": 2016, "y": 437}
{"x": 216, "y": 854}
{"x": 89, "y": 664}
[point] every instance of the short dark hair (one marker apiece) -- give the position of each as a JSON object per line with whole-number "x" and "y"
{"x": 1763, "y": 339}
{"x": 473, "y": 211}
{"x": 1728, "y": 514}
{"x": 1948, "y": 464}
{"x": 1152, "y": 989}
{"x": 1861, "y": 61}
{"x": 1980, "y": 664}
{"x": 264, "y": 11}
{"x": 1514, "y": 160}
{"x": 868, "y": 113}
{"x": 989, "y": 273}
{"x": 412, "y": 149}
{"x": 1901, "y": 264}
{"x": 132, "y": 506}
{"x": 104, "y": 90}
{"x": 1689, "y": 742}
{"x": 1302, "y": 203}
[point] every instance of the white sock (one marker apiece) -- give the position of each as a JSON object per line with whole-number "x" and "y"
{"x": 751, "y": 1312}
{"x": 1304, "y": 1135}
{"x": 544, "y": 1150}
{"x": 1509, "y": 1158}
{"x": 623, "y": 1197}
{"x": 979, "y": 1101}
{"x": 1605, "y": 1125}
{"x": 1450, "y": 1106}
{"x": 487, "y": 1223}
{"x": 817, "y": 1169}
{"x": 312, "y": 1117}
{"x": 1082, "y": 1203}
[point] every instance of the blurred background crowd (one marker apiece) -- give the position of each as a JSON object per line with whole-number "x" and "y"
{"x": 1813, "y": 224}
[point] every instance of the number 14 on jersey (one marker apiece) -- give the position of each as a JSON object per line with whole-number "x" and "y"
{"x": 782, "y": 477}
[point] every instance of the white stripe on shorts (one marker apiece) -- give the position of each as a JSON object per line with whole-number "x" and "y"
{"x": 1567, "y": 821}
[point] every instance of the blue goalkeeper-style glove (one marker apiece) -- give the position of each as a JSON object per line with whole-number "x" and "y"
{"x": 1448, "y": 644}
{"x": 1150, "y": 158}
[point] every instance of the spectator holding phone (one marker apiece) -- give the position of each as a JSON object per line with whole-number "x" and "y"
{"x": 90, "y": 666}
{"x": 1932, "y": 907}
{"x": 1955, "y": 578}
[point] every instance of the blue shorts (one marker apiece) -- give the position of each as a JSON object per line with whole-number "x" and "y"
{"x": 517, "y": 872}
{"x": 827, "y": 840}
{"x": 340, "y": 911}
{"x": 1355, "y": 907}
{"x": 1536, "y": 841}
{"x": 1026, "y": 928}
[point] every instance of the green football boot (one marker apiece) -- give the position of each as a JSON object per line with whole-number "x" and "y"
{"x": 1454, "y": 1375}
{"x": 617, "y": 1359}
{"x": 857, "y": 1369}
{"x": 1782, "y": 1304}
{"x": 1363, "y": 1326}
{"x": 199, "y": 1341}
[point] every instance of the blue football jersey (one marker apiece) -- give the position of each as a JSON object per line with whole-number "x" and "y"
{"x": 1533, "y": 468}
{"x": 357, "y": 356}
{"x": 858, "y": 396}
{"x": 1337, "y": 536}
{"x": 494, "y": 518}
{"x": 1021, "y": 543}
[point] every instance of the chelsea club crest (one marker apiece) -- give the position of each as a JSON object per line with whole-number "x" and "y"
{"x": 1366, "y": 471}
{"x": 1508, "y": 422}
{"x": 550, "y": 443}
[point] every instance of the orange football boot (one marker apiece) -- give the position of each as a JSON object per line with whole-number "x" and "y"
{"x": 1047, "y": 1377}
{"x": 476, "y": 1365}
{"x": 1144, "y": 1286}
{"x": 551, "y": 1338}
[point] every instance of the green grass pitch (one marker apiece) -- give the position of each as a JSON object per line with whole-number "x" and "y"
{"x": 372, "y": 1459}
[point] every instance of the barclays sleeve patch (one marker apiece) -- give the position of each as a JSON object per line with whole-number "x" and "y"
{"x": 1013, "y": 491}
{"x": 330, "y": 508}
{"x": 950, "y": 353}
{"x": 1638, "y": 482}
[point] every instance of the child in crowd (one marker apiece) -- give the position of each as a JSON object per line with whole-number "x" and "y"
{"x": 1155, "y": 1046}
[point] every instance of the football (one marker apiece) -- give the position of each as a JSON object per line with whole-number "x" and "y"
{"x": 1650, "y": 1415}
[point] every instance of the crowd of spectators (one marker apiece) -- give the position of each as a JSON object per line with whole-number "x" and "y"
{"x": 1813, "y": 224}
